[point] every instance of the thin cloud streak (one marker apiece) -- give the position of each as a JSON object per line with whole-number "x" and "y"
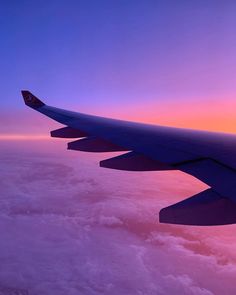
{"x": 25, "y": 137}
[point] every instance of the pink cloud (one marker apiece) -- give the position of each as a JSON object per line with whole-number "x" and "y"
{"x": 70, "y": 227}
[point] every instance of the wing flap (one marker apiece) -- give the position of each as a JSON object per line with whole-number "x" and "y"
{"x": 94, "y": 145}
{"x": 133, "y": 161}
{"x": 67, "y": 132}
{"x": 205, "y": 208}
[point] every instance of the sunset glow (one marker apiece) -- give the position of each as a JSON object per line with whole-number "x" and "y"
{"x": 68, "y": 226}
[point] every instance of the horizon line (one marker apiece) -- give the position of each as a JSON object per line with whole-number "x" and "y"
{"x": 24, "y": 137}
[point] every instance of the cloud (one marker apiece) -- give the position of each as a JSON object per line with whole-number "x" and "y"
{"x": 70, "y": 227}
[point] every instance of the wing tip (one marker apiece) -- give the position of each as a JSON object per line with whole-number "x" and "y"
{"x": 31, "y": 100}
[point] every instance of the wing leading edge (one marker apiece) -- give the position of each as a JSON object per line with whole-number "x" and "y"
{"x": 209, "y": 156}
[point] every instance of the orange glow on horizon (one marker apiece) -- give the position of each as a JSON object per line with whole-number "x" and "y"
{"x": 214, "y": 124}
{"x": 217, "y": 115}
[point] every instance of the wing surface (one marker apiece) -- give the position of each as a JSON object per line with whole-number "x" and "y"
{"x": 208, "y": 156}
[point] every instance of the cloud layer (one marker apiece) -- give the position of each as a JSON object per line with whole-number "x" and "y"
{"x": 70, "y": 227}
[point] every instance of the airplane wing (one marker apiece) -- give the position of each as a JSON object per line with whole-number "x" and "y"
{"x": 208, "y": 156}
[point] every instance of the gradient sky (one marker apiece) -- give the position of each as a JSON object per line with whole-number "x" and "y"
{"x": 70, "y": 227}
{"x": 167, "y": 62}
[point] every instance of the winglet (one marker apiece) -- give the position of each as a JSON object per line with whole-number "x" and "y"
{"x": 31, "y": 100}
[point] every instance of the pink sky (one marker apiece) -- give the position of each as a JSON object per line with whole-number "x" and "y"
{"x": 210, "y": 114}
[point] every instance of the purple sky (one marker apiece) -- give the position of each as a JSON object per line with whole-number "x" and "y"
{"x": 111, "y": 54}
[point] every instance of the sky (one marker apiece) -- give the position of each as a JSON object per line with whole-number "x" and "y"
{"x": 164, "y": 62}
{"x": 70, "y": 227}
